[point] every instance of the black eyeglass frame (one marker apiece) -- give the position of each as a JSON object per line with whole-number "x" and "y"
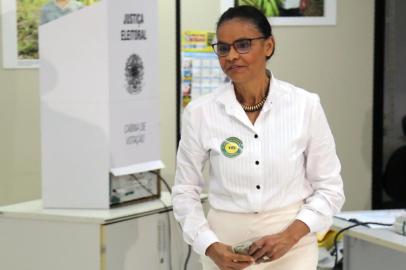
{"x": 233, "y": 45}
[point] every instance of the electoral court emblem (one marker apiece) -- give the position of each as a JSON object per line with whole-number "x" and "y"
{"x": 134, "y": 74}
{"x": 232, "y": 147}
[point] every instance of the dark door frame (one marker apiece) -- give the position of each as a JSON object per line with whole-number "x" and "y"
{"x": 378, "y": 95}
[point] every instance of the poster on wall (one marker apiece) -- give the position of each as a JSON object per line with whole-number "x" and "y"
{"x": 291, "y": 12}
{"x": 201, "y": 71}
{"x": 20, "y": 21}
{"x": 201, "y": 75}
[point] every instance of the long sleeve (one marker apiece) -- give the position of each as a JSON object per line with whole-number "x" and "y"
{"x": 323, "y": 172}
{"x": 189, "y": 182}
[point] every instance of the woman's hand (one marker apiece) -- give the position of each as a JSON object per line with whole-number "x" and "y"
{"x": 272, "y": 247}
{"x": 225, "y": 258}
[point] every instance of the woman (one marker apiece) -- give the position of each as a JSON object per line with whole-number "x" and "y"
{"x": 274, "y": 172}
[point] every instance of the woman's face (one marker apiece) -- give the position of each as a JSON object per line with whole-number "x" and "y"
{"x": 249, "y": 66}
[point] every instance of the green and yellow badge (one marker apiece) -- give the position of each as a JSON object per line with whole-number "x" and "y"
{"x": 232, "y": 147}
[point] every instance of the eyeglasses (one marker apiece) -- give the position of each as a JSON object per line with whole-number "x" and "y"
{"x": 241, "y": 46}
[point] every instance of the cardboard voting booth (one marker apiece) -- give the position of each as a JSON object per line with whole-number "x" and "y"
{"x": 99, "y": 102}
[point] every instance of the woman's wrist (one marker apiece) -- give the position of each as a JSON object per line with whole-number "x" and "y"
{"x": 297, "y": 230}
{"x": 211, "y": 248}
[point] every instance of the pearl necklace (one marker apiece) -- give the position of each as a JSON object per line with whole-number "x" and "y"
{"x": 259, "y": 105}
{"x": 255, "y": 107}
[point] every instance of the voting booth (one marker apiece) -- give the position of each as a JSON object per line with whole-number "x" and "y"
{"x": 100, "y": 105}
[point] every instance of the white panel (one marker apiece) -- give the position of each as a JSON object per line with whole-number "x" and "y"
{"x": 133, "y": 31}
{"x": 126, "y": 17}
{"x": 143, "y": 243}
{"x": 360, "y": 254}
{"x": 44, "y": 245}
{"x": 134, "y": 133}
{"x": 75, "y": 160}
{"x": 136, "y": 244}
{"x": 74, "y": 110}
{"x": 74, "y": 57}
{"x": 140, "y": 167}
{"x": 9, "y": 22}
{"x": 93, "y": 117}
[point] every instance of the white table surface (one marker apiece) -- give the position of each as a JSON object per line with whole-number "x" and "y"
{"x": 384, "y": 237}
{"x": 34, "y": 210}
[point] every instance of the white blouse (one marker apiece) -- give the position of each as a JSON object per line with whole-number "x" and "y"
{"x": 288, "y": 155}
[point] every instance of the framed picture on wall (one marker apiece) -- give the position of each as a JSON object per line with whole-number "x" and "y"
{"x": 20, "y": 21}
{"x": 291, "y": 12}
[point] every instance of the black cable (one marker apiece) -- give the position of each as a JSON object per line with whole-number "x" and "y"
{"x": 357, "y": 223}
{"x": 189, "y": 251}
{"x": 142, "y": 185}
{"x": 167, "y": 209}
{"x": 167, "y": 216}
{"x": 163, "y": 181}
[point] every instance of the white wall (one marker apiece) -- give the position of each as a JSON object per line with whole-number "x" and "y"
{"x": 167, "y": 83}
{"x": 334, "y": 61}
{"x": 337, "y": 63}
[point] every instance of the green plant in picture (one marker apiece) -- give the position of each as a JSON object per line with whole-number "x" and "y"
{"x": 28, "y": 14}
{"x": 27, "y": 25}
{"x": 88, "y": 2}
{"x": 269, "y": 7}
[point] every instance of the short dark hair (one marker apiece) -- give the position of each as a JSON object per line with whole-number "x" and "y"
{"x": 251, "y": 14}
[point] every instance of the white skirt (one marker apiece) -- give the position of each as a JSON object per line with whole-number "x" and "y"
{"x": 233, "y": 228}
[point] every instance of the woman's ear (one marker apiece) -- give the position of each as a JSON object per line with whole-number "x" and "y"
{"x": 269, "y": 46}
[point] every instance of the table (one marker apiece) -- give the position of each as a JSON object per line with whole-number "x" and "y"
{"x": 128, "y": 237}
{"x": 372, "y": 249}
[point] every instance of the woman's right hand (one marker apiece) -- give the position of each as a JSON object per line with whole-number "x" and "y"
{"x": 224, "y": 257}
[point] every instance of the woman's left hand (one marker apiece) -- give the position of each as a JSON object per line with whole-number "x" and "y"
{"x": 272, "y": 247}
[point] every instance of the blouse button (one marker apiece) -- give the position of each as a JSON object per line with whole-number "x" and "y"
{"x": 258, "y": 187}
{"x": 257, "y": 162}
{"x": 256, "y": 136}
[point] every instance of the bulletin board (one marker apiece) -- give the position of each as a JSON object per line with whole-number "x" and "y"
{"x": 201, "y": 73}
